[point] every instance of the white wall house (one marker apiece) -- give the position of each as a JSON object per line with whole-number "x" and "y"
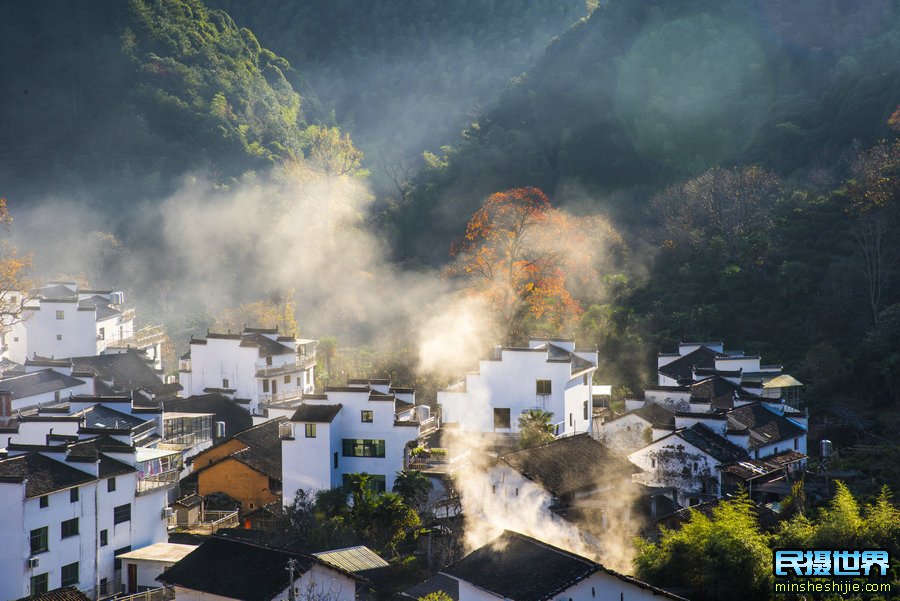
{"x": 68, "y": 509}
{"x": 549, "y": 374}
{"x": 361, "y": 427}
{"x": 517, "y": 567}
{"x": 61, "y": 320}
{"x": 257, "y": 365}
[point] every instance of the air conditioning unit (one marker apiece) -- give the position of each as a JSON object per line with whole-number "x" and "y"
{"x": 167, "y": 512}
{"x": 34, "y": 562}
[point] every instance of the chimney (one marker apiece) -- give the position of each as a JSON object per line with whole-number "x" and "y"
{"x": 5, "y": 403}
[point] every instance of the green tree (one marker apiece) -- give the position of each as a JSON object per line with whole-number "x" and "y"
{"x": 436, "y": 596}
{"x": 724, "y": 556}
{"x": 840, "y": 524}
{"x": 535, "y": 428}
{"x": 414, "y": 487}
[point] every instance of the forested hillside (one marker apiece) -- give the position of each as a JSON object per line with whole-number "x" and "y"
{"x": 644, "y": 93}
{"x": 405, "y": 76}
{"x": 110, "y": 100}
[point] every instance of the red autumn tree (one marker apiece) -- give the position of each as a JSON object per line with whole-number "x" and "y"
{"x": 523, "y": 256}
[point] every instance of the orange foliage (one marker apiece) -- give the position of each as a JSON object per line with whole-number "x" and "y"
{"x": 522, "y": 255}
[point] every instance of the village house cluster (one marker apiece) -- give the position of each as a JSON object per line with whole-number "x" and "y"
{"x": 106, "y": 461}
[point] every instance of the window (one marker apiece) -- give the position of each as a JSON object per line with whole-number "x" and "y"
{"x": 269, "y": 360}
{"x": 265, "y": 386}
{"x": 501, "y": 419}
{"x": 15, "y": 338}
{"x": 39, "y": 540}
{"x": 122, "y": 513}
{"x": 796, "y": 444}
{"x": 73, "y": 495}
{"x": 224, "y": 382}
{"x": 40, "y": 583}
{"x": 543, "y": 387}
{"x": 118, "y": 563}
{"x": 585, "y": 410}
{"x": 59, "y": 336}
{"x": 367, "y": 416}
{"x": 104, "y": 586}
{"x": 310, "y": 430}
{"x": 377, "y": 483}
{"x": 104, "y": 538}
{"x": 653, "y": 463}
{"x": 45, "y": 501}
{"x": 69, "y": 528}
{"x": 101, "y": 335}
{"x": 274, "y": 485}
{"x": 571, "y": 420}
{"x": 69, "y": 575}
{"x": 335, "y": 460}
{"x": 287, "y": 379}
{"x": 61, "y": 315}
{"x": 111, "y": 485}
{"x": 363, "y": 448}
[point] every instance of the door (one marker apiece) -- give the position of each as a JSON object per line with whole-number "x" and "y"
{"x": 132, "y": 578}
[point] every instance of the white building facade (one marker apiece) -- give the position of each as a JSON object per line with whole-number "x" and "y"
{"x": 550, "y": 375}
{"x": 351, "y": 429}
{"x": 258, "y": 365}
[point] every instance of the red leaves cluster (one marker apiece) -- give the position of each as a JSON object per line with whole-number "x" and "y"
{"x": 519, "y": 252}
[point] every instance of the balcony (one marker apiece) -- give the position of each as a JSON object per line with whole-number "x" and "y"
{"x": 143, "y": 338}
{"x": 267, "y": 398}
{"x": 208, "y": 523}
{"x": 186, "y": 441}
{"x": 160, "y": 481}
{"x": 301, "y": 363}
{"x": 438, "y": 463}
{"x": 429, "y": 425}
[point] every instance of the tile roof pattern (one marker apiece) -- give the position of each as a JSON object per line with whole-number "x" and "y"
{"x": 766, "y": 426}
{"x": 438, "y": 582}
{"x": 556, "y": 353}
{"x": 521, "y": 568}
{"x": 683, "y": 367}
{"x": 569, "y": 464}
{"x": 755, "y": 468}
{"x": 223, "y": 409}
{"x": 262, "y": 450}
{"x": 235, "y": 569}
{"x": 657, "y": 415}
{"x": 43, "y": 475}
{"x": 316, "y": 413}
{"x": 127, "y": 371}
{"x": 38, "y": 382}
{"x": 267, "y": 346}
{"x": 708, "y": 441}
{"x": 68, "y": 593}
{"x": 101, "y": 416}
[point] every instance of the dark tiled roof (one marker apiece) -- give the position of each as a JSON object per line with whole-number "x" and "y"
{"x": 223, "y": 409}
{"x": 569, "y": 464}
{"x": 438, "y": 582}
{"x": 68, "y": 593}
{"x": 101, "y": 416}
{"x": 718, "y": 447}
{"x": 657, "y": 415}
{"x": 521, "y": 568}
{"x": 718, "y": 391}
{"x": 683, "y": 367}
{"x": 38, "y": 382}
{"x": 754, "y": 468}
{"x": 9, "y": 367}
{"x": 766, "y": 427}
{"x": 263, "y": 452}
{"x": 316, "y": 413}
{"x": 127, "y": 371}
{"x": 556, "y": 353}
{"x": 44, "y": 475}
{"x": 235, "y": 569}
{"x": 267, "y": 346}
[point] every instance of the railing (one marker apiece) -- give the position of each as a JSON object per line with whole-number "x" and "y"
{"x": 153, "y": 594}
{"x": 148, "y": 484}
{"x": 299, "y": 364}
{"x": 429, "y": 425}
{"x": 143, "y": 338}
{"x": 267, "y": 398}
{"x": 209, "y": 523}
{"x": 178, "y": 443}
{"x": 442, "y": 463}
{"x": 107, "y": 590}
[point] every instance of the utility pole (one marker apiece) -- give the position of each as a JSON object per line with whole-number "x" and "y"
{"x": 291, "y": 566}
